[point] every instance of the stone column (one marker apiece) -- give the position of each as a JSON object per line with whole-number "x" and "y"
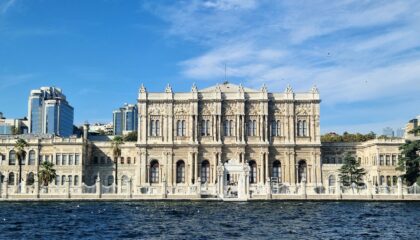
{"x": 98, "y": 187}
{"x": 369, "y": 189}
{"x": 68, "y": 187}
{"x": 268, "y": 189}
{"x": 164, "y": 188}
{"x": 303, "y": 188}
{"x": 198, "y": 183}
{"x": 267, "y": 172}
{"x": 338, "y": 187}
{"x": 5, "y": 192}
{"x": 400, "y": 188}
{"x": 143, "y": 169}
{"x": 196, "y": 167}
{"x": 130, "y": 188}
{"x": 119, "y": 188}
{"x": 36, "y": 183}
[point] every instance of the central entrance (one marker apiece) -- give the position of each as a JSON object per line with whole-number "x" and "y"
{"x": 233, "y": 180}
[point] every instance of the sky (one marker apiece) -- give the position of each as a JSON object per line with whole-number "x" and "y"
{"x": 364, "y": 56}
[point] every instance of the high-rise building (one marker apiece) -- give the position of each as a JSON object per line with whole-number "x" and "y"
{"x": 389, "y": 132}
{"x": 399, "y": 132}
{"x": 125, "y": 119}
{"x": 49, "y": 112}
{"x": 13, "y": 126}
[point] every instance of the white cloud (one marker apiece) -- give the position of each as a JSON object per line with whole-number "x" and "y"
{"x": 230, "y": 4}
{"x": 5, "y": 5}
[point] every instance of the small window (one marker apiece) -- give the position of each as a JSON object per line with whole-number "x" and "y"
{"x": 180, "y": 172}
{"x": 154, "y": 172}
{"x": 71, "y": 157}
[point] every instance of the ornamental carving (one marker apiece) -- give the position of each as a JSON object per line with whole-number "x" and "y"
{"x": 303, "y": 110}
{"x": 181, "y": 109}
{"x": 278, "y": 109}
{"x": 230, "y": 109}
{"x": 156, "y": 109}
{"x": 254, "y": 109}
{"x": 208, "y": 109}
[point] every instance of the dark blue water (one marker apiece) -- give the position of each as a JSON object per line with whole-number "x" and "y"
{"x": 210, "y": 220}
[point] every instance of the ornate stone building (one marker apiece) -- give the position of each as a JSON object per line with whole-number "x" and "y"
{"x": 224, "y": 141}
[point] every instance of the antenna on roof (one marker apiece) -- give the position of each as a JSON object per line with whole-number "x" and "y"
{"x": 225, "y": 82}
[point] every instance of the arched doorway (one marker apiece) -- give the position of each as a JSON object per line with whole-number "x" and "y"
{"x": 302, "y": 170}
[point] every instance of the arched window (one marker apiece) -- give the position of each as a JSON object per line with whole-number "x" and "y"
{"x": 254, "y": 128}
{"x": 274, "y": 128}
{"x": 76, "y": 180}
{"x": 388, "y": 181}
{"x": 12, "y": 157}
{"x": 30, "y": 179}
{"x": 57, "y": 180}
{"x": 299, "y": 128}
{"x": 205, "y": 171}
{"x": 63, "y": 179}
{"x": 180, "y": 172}
{"x": 31, "y": 157}
{"x": 203, "y": 127}
{"x": 394, "y": 180}
{"x": 208, "y": 127}
{"x": 70, "y": 177}
{"x": 128, "y": 160}
{"x": 226, "y": 127}
{"x": 253, "y": 172}
{"x": 110, "y": 180}
{"x": 304, "y": 128}
{"x": 11, "y": 178}
{"x": 231, "y": 128}
{"x": 178, "y": 128}
{"x": 331, "y": 181}
{"x": 152, "y": 128}
{"x": 277, "y": 170}
{"x": 154, "y": 171}
{"x": 157, "y": 128}
{"x": 1, "y": 178}
{"x": 183, "y": 128}
{"x": 301, "y": 170}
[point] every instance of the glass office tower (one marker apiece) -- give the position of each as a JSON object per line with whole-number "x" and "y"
{"x": 125, "y": 119}
{"x": 50, "y": 113}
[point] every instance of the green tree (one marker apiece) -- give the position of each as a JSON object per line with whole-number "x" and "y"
{"x": 21, "y": 154}
{"x": 409, "y": 162}
{"x": 351, "y": 172}
{"x": 117, "y": 141}
{"x": 47, "y": 173}
{"x": 131, "y": 137}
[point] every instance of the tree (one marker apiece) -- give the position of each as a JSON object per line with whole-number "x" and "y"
{"x": 131, "y": 137}
{"x": 117, "y": 141}
{"x": 351, "y": 172}
{"x": 47, "y": 173}
{"x": 15, "y": 130}
{"x": 21, "y": 154}
{"x": 409, "y": 162}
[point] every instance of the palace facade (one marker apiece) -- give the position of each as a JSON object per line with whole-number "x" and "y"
{"x": 223, "y": 141}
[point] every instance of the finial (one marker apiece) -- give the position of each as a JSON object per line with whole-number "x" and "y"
{"x": 194, "y": 88}
{"x": 289, "y": 89}
{"x": 314, "y": 89}
{"x": 218, "y": 89}
{"x": 142, "y": 88}
{"x": 241, "y": 88}
{"x": 168, "y": 88}
{"x": 264, "y": 88}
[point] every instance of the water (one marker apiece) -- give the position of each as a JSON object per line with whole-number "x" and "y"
{"x": 210, "y": 220}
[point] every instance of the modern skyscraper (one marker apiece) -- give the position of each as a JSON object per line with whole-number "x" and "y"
{"x": 389, "y": 132}
{"x": 49, "y": 112}
{"x": 125, "y": 119}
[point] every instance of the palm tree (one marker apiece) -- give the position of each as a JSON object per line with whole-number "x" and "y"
{"x": 47, "y": 173}
{"x": 116, "y": 152}
{"x": 21, "y": 154}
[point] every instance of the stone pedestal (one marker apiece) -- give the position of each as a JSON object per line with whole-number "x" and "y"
{"x": 5, "y": 192}
{"x": 164, "y": 189}
{"x": 198, "y": 193}
{"x": 400, "y": 189}
{"x": 98, "y": 187}
{"x": 338, "y": 188}
{"x": 268, "y": 189}
{"x": 303, "y": 188}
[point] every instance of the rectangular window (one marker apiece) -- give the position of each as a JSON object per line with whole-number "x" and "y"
{"x": 394, "y": 160}
{"x": 71, "y": 159}
{"x": 64, "y": 159}
{"x": 76, "y": 159}
{"x": 57, "y": 159}
{"x": 387, "y": 160}
{"x": 381, "y": 160}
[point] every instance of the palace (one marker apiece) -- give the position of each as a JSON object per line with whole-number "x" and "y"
{"x": 226, "y": 141}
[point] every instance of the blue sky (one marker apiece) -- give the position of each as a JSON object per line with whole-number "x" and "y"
{"x": 364, "y": 56}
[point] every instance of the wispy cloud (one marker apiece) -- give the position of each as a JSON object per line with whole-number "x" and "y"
{"x": 5, "y": 5}
{"x": 353, "y": 50}
{"x": 10, "y": 80}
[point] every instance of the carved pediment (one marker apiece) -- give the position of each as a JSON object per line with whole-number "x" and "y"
{"x": 230, "y": 109}
{"x": 181, "y": 109}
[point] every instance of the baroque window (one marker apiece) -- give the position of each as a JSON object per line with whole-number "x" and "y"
{"x": 301, "y": 171}
{"x": 205, "y": 171}
{"x": 31, "y": 157}
{"x": 154, "y": 172}
{"x": 180, "y": 172}
{"x": 277, "y": 170}
{"x": 12, "y": 157}
{"x": 253, "y": 172}
{"x": 275, "y": 128}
